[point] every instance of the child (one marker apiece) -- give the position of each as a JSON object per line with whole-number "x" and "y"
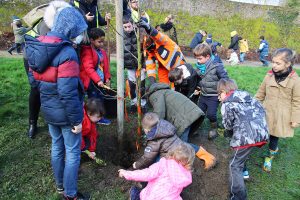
{"x": 280, "y": 95}
{"x": 93, "y": 112}
{"x": 131, "y": 63}
{"x": 185, "y": 79}
{"x": 94, "y": 68}
{"x": 19, "y": 32}
{"x": 263, "y": 51}
{"x": 198, "y": 38}
{"x": 166, "y": 178}
{"x": 210, "y": 72}
{"x": 182, "y": 113}
{"x": 214, "y": 47}
{"x": 233, "y": 57}
{"x": 243, "y": 48}
{"x": 245, "y": 118}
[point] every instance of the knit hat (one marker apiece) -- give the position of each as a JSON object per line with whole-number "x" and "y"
{"x": 69, "y": 22}
{"x": 209, "y": 35}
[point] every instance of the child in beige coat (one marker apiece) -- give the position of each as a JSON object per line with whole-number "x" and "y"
{"x": 280, "y": 95}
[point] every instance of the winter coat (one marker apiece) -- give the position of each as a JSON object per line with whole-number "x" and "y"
{"x": 198, "y": 39}
{"x": 130, "y": 47}
{"x": 85, "y": 8}
{"x": 19, "y": 33}
{"x": 264, "y": 48}
{"x": 89, "y": 63}
{"x": 244, "y": 46}
{"x": 214, "y": 45}
{"x": 281, "y": 102}
{"x": 89, "y": 131}
{"x": 245, "y": 116}
{"x": 189, "y": 82}
{"x": 234, "y": 44}
{"x": 209, "y": 80}
{"x": 55, "y": 66}
{"x": 166, "y": 52}
{"x": 161, "y": 139}
{"x": 174, "y": 107}
{"x": 166, "y": 180}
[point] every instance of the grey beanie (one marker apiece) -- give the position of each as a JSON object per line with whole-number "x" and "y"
{"x": 69, "y": 22}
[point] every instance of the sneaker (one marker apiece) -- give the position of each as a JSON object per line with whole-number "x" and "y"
{"x": 246, "y": 174}
{"x": 9, "y": 52}
{"x": 104, "y": 121}
{"x": 79, "y": 196}
{"x": 60, "y": 189}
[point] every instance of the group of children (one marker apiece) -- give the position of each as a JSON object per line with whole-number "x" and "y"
{"x": 166, "y": 165}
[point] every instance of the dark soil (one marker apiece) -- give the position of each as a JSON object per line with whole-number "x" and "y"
{"x": 206, "y": 184}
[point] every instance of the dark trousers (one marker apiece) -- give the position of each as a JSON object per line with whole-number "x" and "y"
{"x": 237, "y": 186}
{"x": 34, "y": 98}
{"x": 17, "y": 46}
{"x": 209, "y": 105}
{"x": 273, "y": 142}
{"x": 132, "y": 87}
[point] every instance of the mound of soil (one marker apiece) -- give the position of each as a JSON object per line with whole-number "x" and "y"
{"x": 206, "y": 184}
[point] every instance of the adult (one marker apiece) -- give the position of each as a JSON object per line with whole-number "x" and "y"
{"x": 159, "y": 47}
{"x": 54, "y": 65}
{"x": 89, "y": 8}
{"x": 134, "y": 6}
{"x": 168, "y": 27}
{"x": 198, "y": 38}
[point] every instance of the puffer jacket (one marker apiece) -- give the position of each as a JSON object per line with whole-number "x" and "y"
{"x": 264, "y": 48}
{"x": 54, "y": 65}
{"x": 174, "y": 107}
{"x": 234, "y": 43}
{"x": 246, "y": 117}
{"x": 197, "y": 39}
{"x": 160, "y": 140}
{"x": 130, "y": 50}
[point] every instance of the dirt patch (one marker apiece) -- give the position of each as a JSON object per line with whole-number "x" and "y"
{"x": 206, "y": 184}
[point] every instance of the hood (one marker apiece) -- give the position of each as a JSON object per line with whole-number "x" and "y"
{"x": 264, "y": 41}
{"x": 53, "y": 8}
{"x": 233, "y": 33}
{"x": 239, "y": 96}
{"x": 157, "y": 86}
{"x": 179, "y": 176}
{"x": 40, "y": 52}
{"x": 69, "y": 22}
{"x": 163, "y": 129}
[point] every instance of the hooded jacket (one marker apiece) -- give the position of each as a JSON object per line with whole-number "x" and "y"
{"x": 130, "y": 47}
{"x": 89, "y": 131}
{"x": 246, "y": 117}
{"x": 54, "y": 65}
{"x": 166, "y": 180}
{"x": 234, "y": 41}
{"x": 264, "y": 47}
{"x": 174, "y": 107}
{"x": 160, "y": 140}
{"x": 198, "y": 39}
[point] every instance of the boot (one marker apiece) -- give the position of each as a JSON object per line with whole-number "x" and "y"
{"x": 213, "y": 133}
{"x": 209, "y": 159}
{"x": 32, "y": 129}
{"x": 269, "y": 159}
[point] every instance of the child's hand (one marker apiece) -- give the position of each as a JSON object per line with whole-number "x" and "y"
{"x": 121, "y": 173}
{"x": 107, "y": 16}
{"x": 77, "y": 129}
{"x": 197, "y": 92}
{"x": 294, "y": 125}
{"x": 92, "y": 155}
{"x": 100, "y": 84}
{"x": 107, "y": 83}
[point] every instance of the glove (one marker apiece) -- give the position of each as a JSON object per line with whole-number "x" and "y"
{"x": 152, "y": 80}
{"x": 77, "y": 129}
{"x": 145, "y": 25}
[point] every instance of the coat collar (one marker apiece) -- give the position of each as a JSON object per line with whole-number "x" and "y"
{"x": 282, "y": 83}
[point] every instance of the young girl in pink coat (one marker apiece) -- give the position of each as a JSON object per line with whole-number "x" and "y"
{"x": 166, "y": 178}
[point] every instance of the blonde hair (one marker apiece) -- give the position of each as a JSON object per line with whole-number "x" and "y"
{"x": 150, "y": 119}
{"x": 288, "y": 55}
{"x": 226, "y": 85}
{"x": 184, "y": 154}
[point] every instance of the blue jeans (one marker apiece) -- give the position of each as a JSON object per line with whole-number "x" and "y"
{"x": 65, "y": 157}
{"x": 263, "y": 59}
{"x": 242, "y": 56}
{"x": 185, "y": 136}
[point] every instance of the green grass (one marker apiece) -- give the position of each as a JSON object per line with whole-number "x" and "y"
{"x": 25, "y": 169}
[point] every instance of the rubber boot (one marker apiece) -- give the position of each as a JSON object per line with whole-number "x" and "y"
{"x": 269, "y": 159}
{"x": 32, "y": 128}
{"x": 213, "y": 133}
{"x": 209, "y": 159}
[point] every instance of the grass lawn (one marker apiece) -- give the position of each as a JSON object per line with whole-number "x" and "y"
{"x": 25, "y": 169}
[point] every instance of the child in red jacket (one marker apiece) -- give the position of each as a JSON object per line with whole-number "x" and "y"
{"x": 93, "y": 112}
{"x": 94, "y": 69}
